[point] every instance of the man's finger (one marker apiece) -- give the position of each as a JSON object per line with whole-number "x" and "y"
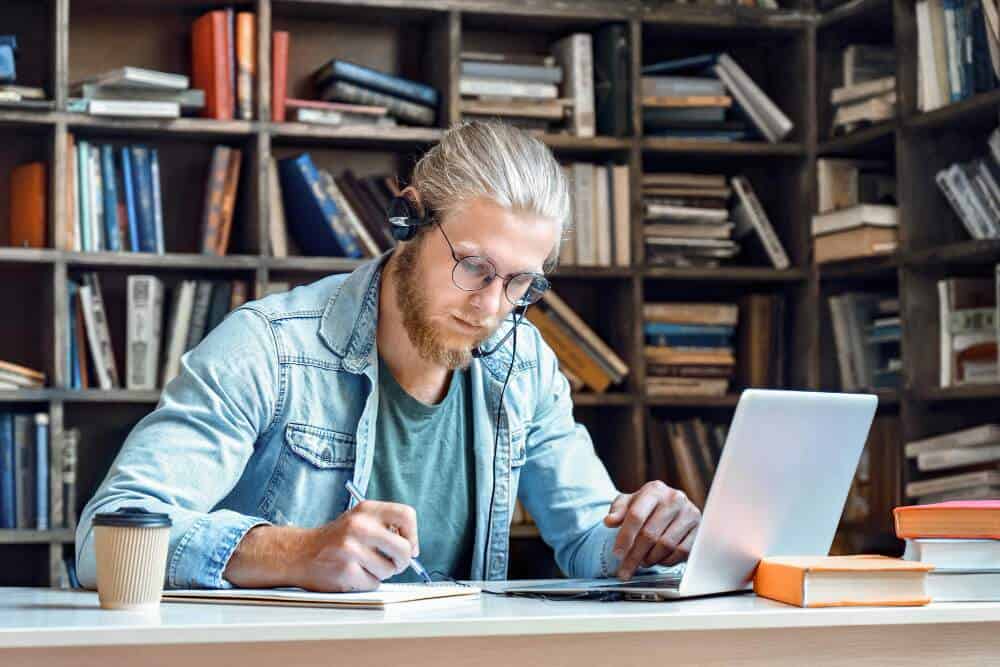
{"x": 683, "y": 550}
{"x": 663, "y": 520}
{"x": 617, "y": 510}
{"x": 648, "y": 537}
{"x": 396, "y": 515}
{"x": 638, "y": 511}
{"x": 392, "y": 545}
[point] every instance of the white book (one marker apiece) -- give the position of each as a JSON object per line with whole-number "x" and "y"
{"x": 944, "y": 334}
{"x": 20, "y": 380}
{"x": 939, "y": 40}
{"x": 622, "y": 214}
{"x": 762, "y": 111}
{"x": 873, "y": 109}
{"x": 277, "y": 229}
{"x": 750, "y": 215}
{"x": 960, "y": 456}
{"x": 930, "y": 93}
{"x": 655, "y": 211}
{"x": 98, "y": 336}
{"x": 602, "y": 217}
{"x": 385, "y": 594}
{"x": 872, "y": 215}
{"x": 985, "y": 434}
{"x": 133, "y": 109}
{"x": 860, "y": 91}
{"x": 963, "y": 585}
{"x": 583, "y": 204}
{"x": 575, "y": 56}
{"x": 471, "y": 86}
{"x": 145, "y": 312}
{"x": 953, "y": 483}
{"x": 954, "y": 554}
{"x": 180, "y": 322}
{"x": 138, "y": 77}
{"x": 567, "y": 250}
{"x": 96, "y": 193}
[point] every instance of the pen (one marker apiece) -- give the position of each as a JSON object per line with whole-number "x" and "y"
{"x": 414, "y": 563}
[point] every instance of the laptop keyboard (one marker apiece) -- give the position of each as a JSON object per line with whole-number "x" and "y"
{"x": 670, "y": 578}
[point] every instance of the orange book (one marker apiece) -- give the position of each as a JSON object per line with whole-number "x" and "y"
{"x": 210, "y": 64}
{"x": 842, "y": 581}
{"x": 279, "y": 75}
{"x": 211, "y": 218}
{"x": 27, "y": 205}
{"x": 229, "y": 199}
{"x": 958, "y": 519}
{"x": 568, "y": 352}
{"x": 246, "y": 63}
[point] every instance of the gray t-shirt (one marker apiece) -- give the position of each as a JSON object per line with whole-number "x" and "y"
{"x": 423, "y": 458}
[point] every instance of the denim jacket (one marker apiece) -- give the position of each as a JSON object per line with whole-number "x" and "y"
{"x": 275, "y": 410}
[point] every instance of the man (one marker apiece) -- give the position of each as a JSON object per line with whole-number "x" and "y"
{"x": 370, "y": 377}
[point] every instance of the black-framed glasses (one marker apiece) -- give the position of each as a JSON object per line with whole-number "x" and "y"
{"x": 474, "y": 273}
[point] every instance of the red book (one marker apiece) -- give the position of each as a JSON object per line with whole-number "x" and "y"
{"x": 294, "y": 103}
{"x": 210, "y": 70}
{"x": 28, "y": 188}
{"x": 958, "y": 519}
{"x": 279, "y": 75}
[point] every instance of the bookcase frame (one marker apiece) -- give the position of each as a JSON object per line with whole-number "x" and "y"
{"x": 618, "y": 418}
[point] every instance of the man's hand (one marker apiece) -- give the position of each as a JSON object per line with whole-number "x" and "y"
{"x": 371, "y": 542}
{"x": 657, "y": 527}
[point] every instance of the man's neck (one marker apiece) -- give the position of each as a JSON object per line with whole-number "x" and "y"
{"x": 423, "y": 380}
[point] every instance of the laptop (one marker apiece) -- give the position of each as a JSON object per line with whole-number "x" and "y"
{"x": 779, "y": 490}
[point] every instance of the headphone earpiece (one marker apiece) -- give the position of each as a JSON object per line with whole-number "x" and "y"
{"x": 404, "y": 218}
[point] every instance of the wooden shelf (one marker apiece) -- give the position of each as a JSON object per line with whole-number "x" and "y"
{"x": 877, "y": 138}
{"x": 727, "y": 18}
{"x": 12, "y": 255}
{"x": 58, "y": 536}
{"x": 25, "y": 395}
{"x": 878, "y": 267}
{"x": 654, "y": 145}
{"x": 170, "y": 261}
{"x": 968, "y": 392}
{"x": 857, "y": 13}
{"x": 29, "y": 117}
{"x": 748, "y": 274}
{"x": 586, "y": 399}
{"x": 193, "y": 127}
{"x": 978, "y": 107}
{"x": 985, "y": 251}
{"x": 597, "y": 272}
{"x": 568, "y": 143}
{"x": 103, "y": 395}
{"x": 727, "y": 401}
{"x": 354, "y": 135}
{"x": 312, "y": 264}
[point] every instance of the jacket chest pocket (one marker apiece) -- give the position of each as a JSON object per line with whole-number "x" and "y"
{"x": 307, "y": 488}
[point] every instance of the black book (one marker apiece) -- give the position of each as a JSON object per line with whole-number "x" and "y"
{"x": 611, "y": 77}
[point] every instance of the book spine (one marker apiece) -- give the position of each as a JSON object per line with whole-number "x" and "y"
{"x": 154, "y": 186}
{"x": 130, "y": 203}
{"x": 96, "y": 200}
{"x": 529, "y": 73}
{"x": 70, "y": 445}
{"x": 214, "y": 189}
{"x": 41, "y": 471}
{"x": 379, "y": 81}
{"x": 109, "y": 192}
{"x": 471, "y": 87}
{"x": 199, "y": 314}
{"x": 575, "y": 54}
{"x": 335, "y": 217}
{"x": 761, "y": 223}
{"x": 101, "y": 340}
{"x": 144, "y": 198}
{"x": 954, "y": 58}
{"x": 24, "y": 454}
{"x": 365, "y": 239}
{"x": 72, "y": 238}
{"x": 279, "y": 75}
{"x": 246, "y": 59}
{"x": 229, "y": 200}
{"x": 145, "y": 303}
{"x": 8, "y": 492}
{"x": 83, "y": 194}
{"x": 344, "y": 91}
{"x": 583, "y": 204}
{"x": 276, "y": 214}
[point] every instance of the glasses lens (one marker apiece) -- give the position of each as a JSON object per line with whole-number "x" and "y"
{"x": 473, "y": 273}
{"x": 526, "y": 288}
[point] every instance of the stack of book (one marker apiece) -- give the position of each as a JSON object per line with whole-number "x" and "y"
{"x": 867, "y": 332}
{"x": 958, "y": 50}
{"x": 689, "y": 348}
{"x": 961, "y": 540}
{"x": 708, "y": 97}
{"x": 686, "y": 219}
{"x": 15, "y": 376}
{"x": 136, "y": 92}
{"x": 967, "y": 330}
{"x": 868, "y": 92}
{"x": 963, "y": 465}
{"x": 864, "y": 230}
{"x": 224, "y": 63}
{"x": 522, "y": 89}
{"x": 686, "y": 454}
{"x": 24, "y": 474}
{"x": 326, "y": 215}
{"x": 358, "y": 88}
{"x": 198, "y": 306}
{"x": 12, "y": 94}
{"x": 973, "y": 190}
{"x": 600, "y": 233}
{"x": 584, "y": 358}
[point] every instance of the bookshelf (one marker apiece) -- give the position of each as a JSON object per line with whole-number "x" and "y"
{"x": 423, "y": 40}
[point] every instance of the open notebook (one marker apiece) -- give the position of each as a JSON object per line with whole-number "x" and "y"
{"x": 385, "y": 594}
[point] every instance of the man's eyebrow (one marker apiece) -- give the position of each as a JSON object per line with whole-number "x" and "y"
{"x": 473, "y": 249}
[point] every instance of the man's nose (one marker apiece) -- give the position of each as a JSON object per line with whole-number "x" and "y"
{"x": 490, "y": 299}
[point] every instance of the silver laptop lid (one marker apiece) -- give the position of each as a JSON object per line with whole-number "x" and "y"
{"x": 780, "y": 485}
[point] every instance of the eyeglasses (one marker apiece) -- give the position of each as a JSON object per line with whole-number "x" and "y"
{"x": 474, "y": 273}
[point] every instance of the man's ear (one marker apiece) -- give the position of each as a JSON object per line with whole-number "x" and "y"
{"x": 413, "y": 195}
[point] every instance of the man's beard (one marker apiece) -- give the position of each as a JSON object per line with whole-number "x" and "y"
{"x": 413, "y": 304}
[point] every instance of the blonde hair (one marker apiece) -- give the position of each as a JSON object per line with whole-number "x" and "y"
{"x": 498, "y": 161}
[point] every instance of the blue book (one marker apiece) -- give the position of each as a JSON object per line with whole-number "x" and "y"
{"x": 9, "y": 40}
{"x": 342, "y": 70}
{"x": 706, "y": 340}
{"x": 75, "y": 382}
{"x": 692, "y": 64}
{"x": 42, "y": 471}
{"x": 310, "y": 213}
{"x": 144, "y": 197}
{"x": 708, "y": 135}
{"x": 154, "y": 182}
{"x": 8, "y": 71}
{"x": 670, "y": 329}
{"x": 110, "y": 195}
{"x": 83, "y": 194}
{"x": 8, "y": 495}
{"x": 131, "y": 209}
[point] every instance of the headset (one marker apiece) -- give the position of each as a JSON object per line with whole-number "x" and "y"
{"x": 405, "y": 221}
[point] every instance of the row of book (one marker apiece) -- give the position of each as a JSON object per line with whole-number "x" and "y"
{"x": 11, "y": 93}
{"x": 867, "y": 334}
{"x": 958, "y": 50}
{"x": 600, "y": 234}
{"x": 197, "y": 307}
{"x": 708, "y": 96}
{"x": 857, "y": 214}
{"x": 15, "y": 376}
{"x": 696, "y": 220}
{"x": 972, "y": 189}
{"x": 867, "y": 93}
{"x": 584, "y": 357}
{"x": 699, "y": 349}
{"x": 956, "y": 465}
{"x": 685, "y": 454}
{"x": 967, "y": 327}
{"x": 37, "y": 475}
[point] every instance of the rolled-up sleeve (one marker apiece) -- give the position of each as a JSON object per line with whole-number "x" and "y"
{"x": 189, "y": 453}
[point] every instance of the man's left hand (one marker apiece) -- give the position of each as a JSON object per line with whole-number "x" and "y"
{"x": 657, "y": 525}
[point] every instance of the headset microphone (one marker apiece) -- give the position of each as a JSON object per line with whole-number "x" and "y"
{"x": 518, "y": 312}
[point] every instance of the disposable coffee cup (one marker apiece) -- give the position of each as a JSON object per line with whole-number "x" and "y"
{"x": 131, "y": 548}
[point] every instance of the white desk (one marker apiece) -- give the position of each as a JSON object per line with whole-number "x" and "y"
{"x": 54, "y": 628}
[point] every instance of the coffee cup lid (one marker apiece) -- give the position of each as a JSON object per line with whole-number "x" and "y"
{"x": 132, "y": 517}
